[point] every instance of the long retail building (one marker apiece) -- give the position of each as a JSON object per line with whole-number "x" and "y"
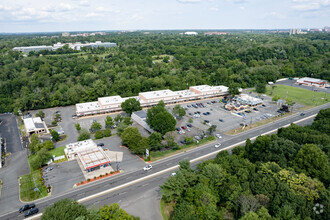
{"x": 148, "y": 99}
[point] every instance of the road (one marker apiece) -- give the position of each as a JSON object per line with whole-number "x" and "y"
{"x": 151, "y": 179}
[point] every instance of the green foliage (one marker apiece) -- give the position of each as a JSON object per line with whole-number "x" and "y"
{"x": 160, "y": 120}
{"x": 77, "y": 125}
{"x": 178, "y": 110}
{"x": 55, "y": 135}
{"x": 289, "y": 101}
{"x": 96, "y": 126}
{"x": 64, "y": 209}
{"x": 261, "y": 88}
{"x": 107, "y": 133}
{"x": 40, "y": 114}
{"x": 109, "y": 122}
{"x": 155, "y": 141}
{"x": 84, "y": 135}
{"x": 113, "y": 212}
{"x": 98, "y": 134}
{"x": 40, "y": 158}
{"x": 121, "y": 127}
{"x": 134, "y": 141}
{"x": 189, "y": 140}
{"x": 118, "y": 118}
{"x": 212, "y": 129}
{"x": 131, "y": 105}
{"x": 276, "y": 98}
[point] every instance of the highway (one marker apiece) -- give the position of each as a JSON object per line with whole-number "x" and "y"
{"x": 128, "y": 184}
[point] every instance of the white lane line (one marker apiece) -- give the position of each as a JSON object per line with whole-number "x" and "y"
{"x": 171, "y": 168}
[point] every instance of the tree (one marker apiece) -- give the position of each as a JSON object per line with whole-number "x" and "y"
{"x": 48, "y": 145}
{"x": 55, "y": 135}
{"x": 35, "y": 143}
{"x": 107, "y": 133}
{"x": 96, "y": 126}
{"x": 40, "y": 158}
{"x": 276, "y": 98}
{"x": 261, "y": 88}
{"x": 121, "y": 127}
{"x": 77, "y": 125}
{"x": 178, "y": 110}
{"x": 312, "y": 161}
{"x": 108, "y": 122}
{"x": 64, "y": 209}
{"x": 40, "y": 114}
{"x": 131, "y": 137}
{"x": 113, "y": 212}
{"x": 233, "y": 89}
{"x": 118, "y": 118}
{"x": 155, "y": 141}
{"x": 289, "y": 101}
{"x": 131, "y": 105}
{"x": 98, "y": 134}
{"x": 212, "y": 129}
{"x": 84, "y": 135}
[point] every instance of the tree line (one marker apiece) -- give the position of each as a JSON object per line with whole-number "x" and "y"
{"x": 235, "y": 60}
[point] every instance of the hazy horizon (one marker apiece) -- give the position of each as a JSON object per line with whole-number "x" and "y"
{"x": 23, "y": 16}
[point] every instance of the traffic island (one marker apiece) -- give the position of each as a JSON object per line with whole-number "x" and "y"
{"x": 96, "y": 178}
{"x": 32, "y": 186}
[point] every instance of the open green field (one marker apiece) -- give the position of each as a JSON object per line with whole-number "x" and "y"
{"x": 28, "y": 185}
{"x": 298, "y": 95}
{"x": 159, "y": 58}
{"x": 156, "y": 155}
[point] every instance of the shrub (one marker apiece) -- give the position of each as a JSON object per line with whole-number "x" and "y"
{"x": 98, "y": 135}
{"x": 107, "y": 133}
{"x": 101, "y": 175}
{"x": 111, "y": 172}
{"x": 94, "y": 177}
{"x": 88, "y": 180}
{"x": 54, "y": 123}
{"x": 106, "y": 174}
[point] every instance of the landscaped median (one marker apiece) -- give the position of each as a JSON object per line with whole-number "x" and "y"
{"x": 32, "y": 186}
{"x": 97, "y": 178}
{"x": 156, "y": 155}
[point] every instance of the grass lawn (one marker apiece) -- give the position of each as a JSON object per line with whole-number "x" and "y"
{"x": 28, "y": 184}
{"x": 166, "y": 209}
{"x": 299, "y": 95}
{"x": 156, "y": 155}
{"x": 57, "y": 151}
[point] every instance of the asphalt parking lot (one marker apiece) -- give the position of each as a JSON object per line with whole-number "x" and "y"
{"x": 9, "y": 131}
{"x": 63, "y": 176}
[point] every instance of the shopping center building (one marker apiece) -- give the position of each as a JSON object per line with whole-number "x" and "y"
{"x": 148, "y": 99}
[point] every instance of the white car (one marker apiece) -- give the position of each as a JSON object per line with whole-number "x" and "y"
{"x": 173, "y": 174}
{"x": 148, "y": 167}
{"x": 217, "y": 145}
{"x": 218, "y": 136}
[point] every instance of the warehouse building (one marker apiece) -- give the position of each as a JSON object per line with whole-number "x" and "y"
{"x": 311, "y": 82}
{"x": 32, "y": 48}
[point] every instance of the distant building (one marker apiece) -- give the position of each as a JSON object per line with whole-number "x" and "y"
{"x": 297, "y": 31}
{"x": 65, "y": 34}
{"x": 140, "y": 118}
{"x": 215, "y": 33}
{"x": 35, "y": 126}
{"x": 311, "y": 82}
{"x": 191, "y": 33}
{"x": 32, "y": 48}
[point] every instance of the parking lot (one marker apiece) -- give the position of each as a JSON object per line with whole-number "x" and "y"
{"x": 63, "y": 176}
{"x": 9, "y": 131}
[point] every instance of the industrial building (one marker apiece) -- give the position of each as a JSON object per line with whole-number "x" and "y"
{"x": 74, "y": 46}
{"x": 242, "y": 102}
{"x": 311, "y": 82}
{"x": 140, "y": 117}
{"x": 35, "y": 126}
{"x": 147, "y": 99}
{"x": 90, "y": 156}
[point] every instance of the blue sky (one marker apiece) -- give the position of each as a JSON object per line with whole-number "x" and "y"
{"x": 89, "y": 15}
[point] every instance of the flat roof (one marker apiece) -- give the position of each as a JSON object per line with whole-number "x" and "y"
{"x": 185, "y": 93}
{"x": 158, "y": 94}
{"x": 88, "y": 106}
{"x": 80, "y": 146}
{"x": 93, "y": 157}
{"x": 141, "y": 114}
{"x": 312, "y": 80}
{"x": 32, "y": 123}
{"x": 110, "y": 100}
{"x": 207, "y": 88}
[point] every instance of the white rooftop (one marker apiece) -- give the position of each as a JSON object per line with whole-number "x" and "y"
{"x": 80, "y": 146}
{"x": 185, "y": 93}
{"x": 30, "y": 123}
{"x": 93, "y": 157}
{"x": 87, "y": 107}
{"x": 158, "y": 94}
{"x": 135, "y": 97}
{"x": 312, "y": 80}
{"x": 110, "y": 100}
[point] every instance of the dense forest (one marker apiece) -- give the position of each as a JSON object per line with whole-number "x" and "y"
{"x": 67, "y": 77}
{"x": 283, "y": 176}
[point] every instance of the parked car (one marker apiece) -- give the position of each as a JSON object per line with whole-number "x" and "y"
{"x": 74, "y": 116}
{"x": 221, "y": 120}
{"x": 206, "y": 121}
{"x": 148, "y": 167}
{"x": 189, "y": 125}
{"x": 100, "y": 145}
{"x": 26, "y": 207}
{"x": 31, "y": 212}
{"x": 263, "y": 105}
{"x": 217, "y": 145}
{"x": 302, "y": 114}
{"x": 184, "y": 127}
{"x": 255, "y": 109}
{"x": 188, "y": 106}
{"x": 58, "y": 112}
{"x": 218, "y": 135}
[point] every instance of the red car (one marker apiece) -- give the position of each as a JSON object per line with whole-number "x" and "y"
{"x": 184, "y": 127}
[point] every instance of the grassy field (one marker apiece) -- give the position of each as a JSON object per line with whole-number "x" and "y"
{"x": 159, "y": 58}
{"x": 301, "y": 96}
{"x": 57, "y": 151}
{"x": 161, "y": 154}
{"x": 28, "y": 185}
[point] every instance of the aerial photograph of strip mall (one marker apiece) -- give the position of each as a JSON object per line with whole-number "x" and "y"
{"x": 167, "y": 110}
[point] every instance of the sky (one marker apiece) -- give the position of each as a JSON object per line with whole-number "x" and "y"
{"x": 90, "y": 15}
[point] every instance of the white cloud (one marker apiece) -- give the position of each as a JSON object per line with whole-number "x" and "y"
{"x": 65, "y": 7}
{"x": 84, "y": 3}
{"x": 188, "y": 1}
{"x": 310, "y": 5}
{"x": 214, "y": 9}
{"x": 93, "y": 15}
